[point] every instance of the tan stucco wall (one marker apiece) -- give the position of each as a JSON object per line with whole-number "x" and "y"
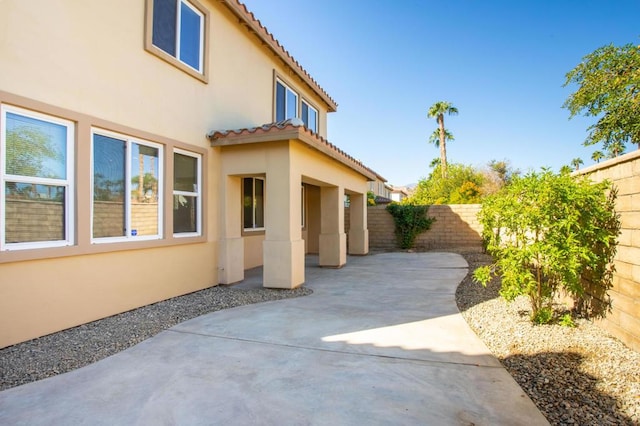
{"x": 68, "y": 58}
{"x": 40, "y": 297}
{"x": 253, "y": 250}
{"x": 301, "y": 164}
{"x": 313, "y": 219}
{"x": 86, "y": 61}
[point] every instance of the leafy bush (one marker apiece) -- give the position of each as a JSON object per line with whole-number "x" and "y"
{"x": 548, "y": 232}
{"x": 411, "y": 221}
{"x": 461, "y": 186}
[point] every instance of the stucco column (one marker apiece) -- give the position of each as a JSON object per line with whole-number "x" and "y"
{"x": 333, "y": 240}
{"x": 231, "y": 254}
{"x": 358, "y": 232}
{"x": 283, "y": 247}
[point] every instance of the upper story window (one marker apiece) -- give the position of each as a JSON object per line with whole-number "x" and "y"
{"x": 36, "y": 175}
{"x": 286, "y": 102}
{"x": 310, "y": 117}
{"x": 176, "y": 32}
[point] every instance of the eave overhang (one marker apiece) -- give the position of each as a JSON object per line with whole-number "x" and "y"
{"x": 289, "y": 130}
{"x": 253, "y": 25}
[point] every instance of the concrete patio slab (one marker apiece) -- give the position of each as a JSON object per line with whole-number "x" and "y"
{"x": 379, "y": 342}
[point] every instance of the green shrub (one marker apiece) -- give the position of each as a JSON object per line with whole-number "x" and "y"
{"x": 548, "y": 232}
{"x": 567, "y": 321}
{"x": 411, "y": 221}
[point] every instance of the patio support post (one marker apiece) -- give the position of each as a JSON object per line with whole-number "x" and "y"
{"x": 283, "y": 247}
{"x": 333, "y": 240}
{"x": 358, "y": 232}
{"x": 231, "y": 254}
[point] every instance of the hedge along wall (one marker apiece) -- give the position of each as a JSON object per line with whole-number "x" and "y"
{"x": 624, "y": 321}
{"x": 456, "y": 227}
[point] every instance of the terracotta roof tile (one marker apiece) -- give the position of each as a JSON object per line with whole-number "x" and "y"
{"x": 253, "y": 24}
{"x": 302, "y": 133}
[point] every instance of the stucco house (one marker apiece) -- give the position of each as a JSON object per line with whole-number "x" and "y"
{"x": 152, "y": 148}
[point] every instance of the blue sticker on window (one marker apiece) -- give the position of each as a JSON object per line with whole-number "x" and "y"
{"x": 134, "y": 232}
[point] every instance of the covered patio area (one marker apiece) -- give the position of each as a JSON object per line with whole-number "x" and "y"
{"x": 282, "y": 195}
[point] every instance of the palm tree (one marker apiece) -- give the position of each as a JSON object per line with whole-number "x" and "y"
{"x": 597, "y": 156}
{"x": 437, "y": 111}
{"x": 435, "y": 137}
{"x": 615, "y": 148}
{"x": 576, "y": 162}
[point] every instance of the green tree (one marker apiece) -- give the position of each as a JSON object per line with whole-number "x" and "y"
{"x": 435, "y": 137}
{"x": 371, "y": 198}
{"x": 576, "y": 162}
{"x": 597, "y": 156}
{"x": 438, "y": 111}
{"x": 548, "y": 232}
{"x": 462, "y": 186}
{"x": 608, "y": 82}
{"x": 565, "y": 170}
{"x": 497, "y": 175}
{"x": 615, "y": 149}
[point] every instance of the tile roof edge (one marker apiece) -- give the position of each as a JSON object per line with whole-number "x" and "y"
{"x": 254, "y": 25}
{"x": 308, "y": 135}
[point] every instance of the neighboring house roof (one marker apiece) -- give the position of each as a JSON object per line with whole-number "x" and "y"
{"x": 254, "y": 26}
{"x": 292, "y": 128}
{"x": 401, "y": 190}
{"x": 383, "y": 200}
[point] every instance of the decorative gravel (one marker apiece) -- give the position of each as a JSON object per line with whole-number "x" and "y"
{"x": 576, "y": 376}
{"x": 79, "y": 346}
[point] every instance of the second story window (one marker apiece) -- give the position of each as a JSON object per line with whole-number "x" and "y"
{"x": 310, "y": 117}
{"x": 286, "y": 102}
{"x": 178, "y": 30}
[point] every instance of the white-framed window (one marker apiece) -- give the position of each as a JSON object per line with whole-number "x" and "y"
{"x": 286, "y": 102}
{"x": 187, "y": 193}
{"x": 310, "y": 116}
{"x": 37, "y": 178}
{"x": 178, "y": 30}
{"x": 253, "y": 203}
{"x": 126, "y": 183}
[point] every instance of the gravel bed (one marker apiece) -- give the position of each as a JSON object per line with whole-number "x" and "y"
{"x": 576, "y": 376}
{"x": 79, "y": 346}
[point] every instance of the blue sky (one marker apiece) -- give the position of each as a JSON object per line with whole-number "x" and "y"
{"x": 501, "y": 63}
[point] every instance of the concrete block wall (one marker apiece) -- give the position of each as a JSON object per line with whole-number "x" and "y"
{"x": 456, "y": 227}
{"x": 624, "y": 171}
